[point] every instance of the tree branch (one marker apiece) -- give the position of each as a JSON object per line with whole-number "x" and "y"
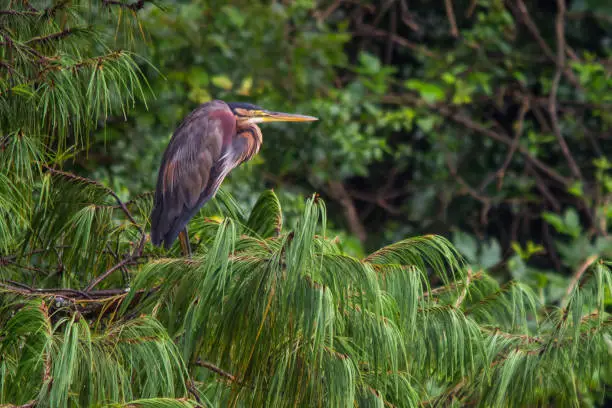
{"x": 577, "y": 276}
{"x": 94, "y": 282}
{"x": 545, "y": 190}
{"x": 71, "y": 294}
{"x": 524, "y": 337}
{"x": 338, "y": 192}
{"x": 451, "y": 18}
{"x": 468, "y": 280}
{"x": 26, "y": 290}
{"x": 533, "y": 29}
{"x": 515, "y": 143}
{"x": 368, "y": 30}
{"x": 579, "y": 15}
{"x": 54, "y": 36}
{"x": 486, "y": 201}
{"x": 552, "y": 101}
{"x": 407, "y": 17}
{"x": 121, "y": 204}
{"x": 478, "y": 128}
{"x": 322, "y": 15}
{"x": 18, "y": 13}
{"x": 138, "y": 5}
{"x": 452, "y": 285}
{"x": 215, "y": 369}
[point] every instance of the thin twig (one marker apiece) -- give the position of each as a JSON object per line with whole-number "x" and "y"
{"x": 215, "y": 369}
{"x": 339, "y": 193}
{"x": 193, "y": 390}
{"x": 501, "y": 172}
{"x": 452, "y": 285}
{"x": 18, "y": 13}
{"x": 323, "y": 15}
{"x": 552, "y": 101}
{"x": 451, "y": 18}
{"x": 524, "y": 337}
{"x": 122, "y": 206}
{"x": 577, "y": 276}
{"x": 106, "y": 274}
{"x": 447, "y": 112}
{"x": 578, "y": 15}
{"x": 407, "y": 17}
{"x": 533, "y": 29}
{"x": 368, "y": 30}
{"x": 29, "y": 404}
{"x": 541, "y": 185}
{"x": 468, "y": 279}
{"x": 380, "y": 196}
{"x": 55, "y": 36}
{"x": 486, "y": 201}
{"x": 132, "y": 6}
{"x": 471, "y": 8}
{"x": 124, "y": 270}
{"x": 517, "y": 135}
{"x": 26, "y": 290}
{"x": 71, "y": 294}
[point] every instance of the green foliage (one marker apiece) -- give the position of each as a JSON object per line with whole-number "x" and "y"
{"x": 425, "y": 134}
{"x": 50, "y": 352}
{"x": 291, "y": 314}
{"x": 275, "y": 308}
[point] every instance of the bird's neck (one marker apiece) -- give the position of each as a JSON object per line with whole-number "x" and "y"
{"x": 250, "y": 134}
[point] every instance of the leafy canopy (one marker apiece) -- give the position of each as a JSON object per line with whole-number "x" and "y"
{"x": 270, "y": 311}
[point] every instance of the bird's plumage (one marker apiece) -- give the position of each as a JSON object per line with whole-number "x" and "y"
{"x": 210, "y": 142}
{"x": 199, "y": 156}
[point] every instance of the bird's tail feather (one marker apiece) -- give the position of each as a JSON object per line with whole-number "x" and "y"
{"x": 165, "y": 231}
{"x": 156, "y": 235}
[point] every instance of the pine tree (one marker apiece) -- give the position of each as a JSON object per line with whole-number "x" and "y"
{"x": 263, "y": 315}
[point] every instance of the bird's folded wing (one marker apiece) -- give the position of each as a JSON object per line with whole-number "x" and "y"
{"x": 193, "y": 167}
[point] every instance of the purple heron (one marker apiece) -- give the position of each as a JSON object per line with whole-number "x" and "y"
{"x": 211, "y": 141}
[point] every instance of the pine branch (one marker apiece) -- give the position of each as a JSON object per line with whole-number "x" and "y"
{"x": 577, "y": 276}
{"x": 96, "y": 281}
{"x": 468, "y": 280}
{"x": 109, "y": 191}
{"x": 24, "y": 289}
{"x": 29, "y": 404}
{"x": 55, "y": 36}
{"x": 453, "y": 285}
{"x": 215, "y": 369}
{"x": 18, "y": 13}
{"x": 20, "y": 288}
{"x": 138, "y": 5}
{"x": 32, "y": 11}
{"x": 511, "y": 336}
{"x": 70, "y": 294}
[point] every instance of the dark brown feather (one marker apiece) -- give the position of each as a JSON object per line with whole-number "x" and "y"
{"x": 198, "y": 157}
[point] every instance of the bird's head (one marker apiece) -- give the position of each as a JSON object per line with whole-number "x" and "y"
{"x": 247, "y": 113}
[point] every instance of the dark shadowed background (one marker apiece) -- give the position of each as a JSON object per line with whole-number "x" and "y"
{"x": 460, "y": 118}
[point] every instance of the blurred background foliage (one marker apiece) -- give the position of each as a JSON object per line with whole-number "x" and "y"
{"x": 485, "y": 121}
{"x": 460, "y": 118}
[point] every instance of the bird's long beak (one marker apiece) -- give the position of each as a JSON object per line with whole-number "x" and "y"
{"x": 286, "y": 117}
